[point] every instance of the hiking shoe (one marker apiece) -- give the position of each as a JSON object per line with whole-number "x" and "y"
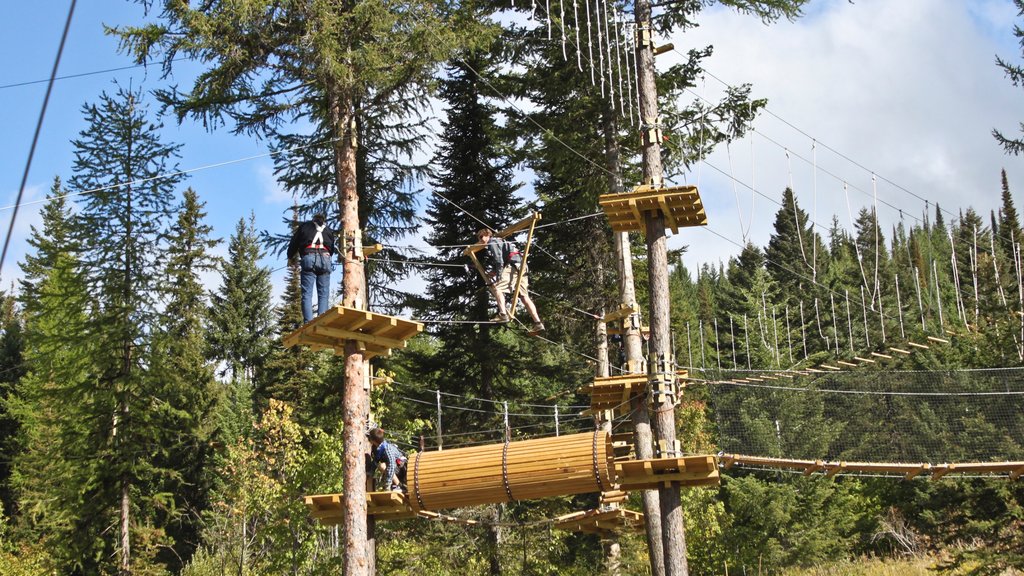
{"x": 500, "y": 318}
{"x": 538, "y": 327}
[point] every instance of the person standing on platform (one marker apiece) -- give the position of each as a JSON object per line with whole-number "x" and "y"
{"x": 390, "y": 459}
{"x": 313, "y": 243}
{"x": 502, "y": 262}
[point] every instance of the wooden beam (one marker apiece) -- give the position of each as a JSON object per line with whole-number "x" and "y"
{"x": 358, "y": 336}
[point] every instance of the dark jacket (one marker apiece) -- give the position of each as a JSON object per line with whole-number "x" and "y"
{"x": 500, "y": 253}
{"x": 302, "y": 240}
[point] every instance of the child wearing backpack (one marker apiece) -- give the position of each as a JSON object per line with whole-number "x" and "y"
{"x": 502, "y": 261}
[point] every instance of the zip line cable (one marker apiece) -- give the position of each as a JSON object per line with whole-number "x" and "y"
{"x": 35, "y": 137}
{"x": 83, "y": 74}
{"x": 173, "y": 174}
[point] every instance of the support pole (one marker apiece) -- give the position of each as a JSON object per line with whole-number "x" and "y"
{"x": 643, "y": 438}
{"x": 663, "y": 424}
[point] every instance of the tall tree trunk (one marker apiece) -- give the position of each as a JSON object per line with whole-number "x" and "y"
{"x": 643, "y": 440}
{"x": 660, "y": 347}
{"x": 356, "y": 402}
{"x": 494, "y": 543}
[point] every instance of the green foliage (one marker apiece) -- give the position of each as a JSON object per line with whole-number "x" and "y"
{"x": 241, "y": 312}
{"x": 798, "y": 522}
{"x": 258, "y": 523}
{"x": 1015, "y": 73}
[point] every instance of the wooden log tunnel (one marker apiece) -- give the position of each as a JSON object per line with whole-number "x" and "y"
{"x": 528, "y": 469}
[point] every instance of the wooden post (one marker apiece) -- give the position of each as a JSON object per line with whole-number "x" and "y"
{"x": 356, "y": 403}
{"x": 664, "y": 424}
{"x": 643, "y": 440}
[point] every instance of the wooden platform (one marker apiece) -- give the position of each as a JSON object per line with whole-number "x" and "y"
{"x": 1013, "y": 470}
{"x": 376, "y": 334}
{"x": 328, "y": 508}
{"x": 680, "y": 205}
{"x": 613, "y": 392}
{"x": 601, "y": 522}
{"x": 688, "y": 471}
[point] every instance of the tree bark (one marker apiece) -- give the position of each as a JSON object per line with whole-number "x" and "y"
{"x": 660, "y": 348}
{"x": 632, "y": 341}
{"x": 356, "y": 402}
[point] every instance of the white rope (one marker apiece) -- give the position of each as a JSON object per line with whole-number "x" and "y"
{"x": 600, "y": 45}
{"x": 590, "y": 43}
{"x": 899, "y": 307}
{"x": 576, "y": 21}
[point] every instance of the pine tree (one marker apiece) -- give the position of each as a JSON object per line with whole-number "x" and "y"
{"x": 1015, "y": 73}
{"x": 11, "y": 370}
{"x": 185, "y": 380}
{"x": 474, "y": 188}
{"x": 122, "y": 166}
{"x": 1009, "y": 224}
{"x": 52, "y": 471}
{"x": 241, "y": 314}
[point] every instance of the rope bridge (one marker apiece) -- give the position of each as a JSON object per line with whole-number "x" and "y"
{"x": 874, "y": 422}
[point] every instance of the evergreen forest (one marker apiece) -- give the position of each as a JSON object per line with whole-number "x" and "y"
{"x": 152, "y": 423}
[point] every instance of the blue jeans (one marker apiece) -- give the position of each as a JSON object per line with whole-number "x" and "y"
{"x": 315, "y": 271}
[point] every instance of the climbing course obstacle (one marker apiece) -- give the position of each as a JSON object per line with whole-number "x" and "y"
{"x": 528, "y": 223}
{"x": 376, "y": 334}
{"x": 681, "y": 207}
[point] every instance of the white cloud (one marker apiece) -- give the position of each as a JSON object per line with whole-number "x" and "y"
{"x": 907, "y": 90}
{"x": 273, "y": 191}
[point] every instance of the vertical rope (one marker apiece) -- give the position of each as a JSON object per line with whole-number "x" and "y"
{"x": 576, "y": 22}
{"x": 636, "y": 75}
{"x": 608, "y": 59}
{"x": 700, "y": 335}
{"x": 796, "y": 217}
{"x": 746, "y": 334}
{"x": 547, "y": 16}
{"x": 814, "y": 213}
{"x": 835, "y": 322}
{"x": 974, "y": 275}
{"x": 864, "y": 310}
{"x": 732, "y": 339}
{"x": 618, "y": 57}
{"x": 920, "y": 302}
{"x": 789, "y": 336}
{"x": 817, "y": 318}
{"x": 600, "y": 45}
{"x": 874, "y": 221}
{"x": 938, "y": 297}
{"x": 439, "y": 446}
{"x": 561, "y": 23}
{"x": 629, "y": 43}
{"x": 689, "y": 350}
{"x": 849, "y": 320}
{"x": 899, "y": 307}
{"x": 775, "y": 329}
{"x": 718, "y": 354}
{"x": 590, "y": 43}
{"x": 961, "y": 311}
{"x": 995, "y": 266}
{"x": 556, "y": 420}
{"x": 803, "y": 328}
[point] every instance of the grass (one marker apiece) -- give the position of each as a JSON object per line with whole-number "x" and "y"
{"x": 869, "y": 567}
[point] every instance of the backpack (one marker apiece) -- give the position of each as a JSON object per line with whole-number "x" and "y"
{"x": 510, "y": 253}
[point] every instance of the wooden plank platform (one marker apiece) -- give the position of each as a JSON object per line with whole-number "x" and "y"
{"x": 689, "y": 471}
{"x": 613, "y": 392}
{"x": 1013, "y": 470}
{"x": 376, "y": 334}
{"x": 600, "y": 521}
{"x": 328, "y": 508}
{"x": 680, "y": 205}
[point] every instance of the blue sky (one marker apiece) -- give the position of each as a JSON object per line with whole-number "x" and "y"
{"x": 33, "y": 32}
{"x": 907, "y": 90}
